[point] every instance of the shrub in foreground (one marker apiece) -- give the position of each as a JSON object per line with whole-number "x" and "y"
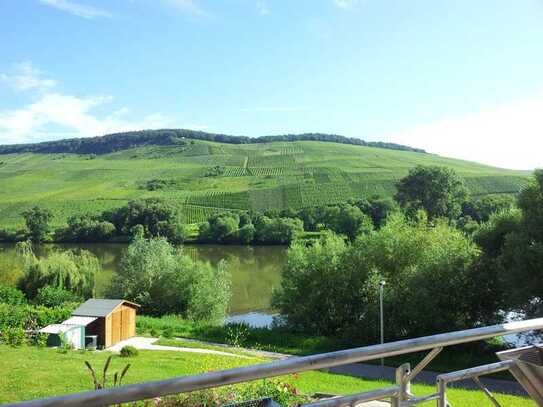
{"x": 129, "y": 351}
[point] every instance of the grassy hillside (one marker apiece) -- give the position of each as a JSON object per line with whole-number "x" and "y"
{"x": 201, "y": 177}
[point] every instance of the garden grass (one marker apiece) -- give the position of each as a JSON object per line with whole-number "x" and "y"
{"x": 30, "y": 373}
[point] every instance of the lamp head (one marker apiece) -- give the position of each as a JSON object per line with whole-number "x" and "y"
{"x": 382, "y": 283}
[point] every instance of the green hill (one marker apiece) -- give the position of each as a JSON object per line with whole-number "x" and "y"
{"x": 202, "y": 176}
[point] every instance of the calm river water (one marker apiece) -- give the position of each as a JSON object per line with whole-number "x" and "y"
{"x": 255, "y": 271}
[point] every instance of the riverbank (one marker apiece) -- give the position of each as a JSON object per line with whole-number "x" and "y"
{"x": 284, "y": 341}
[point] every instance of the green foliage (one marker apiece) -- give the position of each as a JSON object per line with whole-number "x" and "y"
{"x": 230, "y": 228}
{"x": 31, "y": 317}
{"x": 168, "y": 332}
{"x": 437, "y": 190}
{"x": 163, "y": 280}
{"x": 277, "y": 230}
{"x": 87, "y": 228}
{"x": 13, "y": 336}
{"x": 11, "y": 295}
{"x": 515, "y": 245}
{"x": 480, "y": 210}
{"x": 128, "y": 351}
{"x": 331, "y": 287}
{"x": 237, "y": 334}
{"x": 65, "y": 270}
{"x": 154, "y": 217}
{"x": 49, "y": 296}
{"x": 346, "y": 219}
{"x": 159, "y": 183}
{"x": 37, "y": 223}
{"x": 214, "y": 171}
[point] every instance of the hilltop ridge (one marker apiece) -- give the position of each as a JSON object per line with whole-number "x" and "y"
{"x": 169, "y": 137}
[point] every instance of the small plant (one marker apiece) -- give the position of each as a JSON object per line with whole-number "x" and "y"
{"x": 40, "y": 339}
{"x": 168, "y": 332}
{"x": 102, "y": 384}
{"x": 237, "y": 334}
{"x": 154, "y": 333}
{"x": 65, "y": 344}
{"x": 129, "y": 351}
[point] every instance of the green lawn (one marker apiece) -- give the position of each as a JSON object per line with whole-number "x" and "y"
{"x": 256, "y": 176}
{"x": 29, "y": 373}
{"x": 284, "y": 341}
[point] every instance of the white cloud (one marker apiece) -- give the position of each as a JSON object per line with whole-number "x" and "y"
{"x": 509, "y": 136}
{"x": 72, "y": 114}
{"x": 262, "y": 7}
{"x": 346, "y": 4}
{"x": 27, "y": 77}
{"x": 75, "y": 116}
{"x": 77, "y": 9}
{"x": 188, "y": 7}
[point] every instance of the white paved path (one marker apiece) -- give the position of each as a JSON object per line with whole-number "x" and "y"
{"x": 142, "y": 343}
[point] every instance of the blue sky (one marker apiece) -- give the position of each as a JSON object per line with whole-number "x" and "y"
{"x": 459, "y": 78}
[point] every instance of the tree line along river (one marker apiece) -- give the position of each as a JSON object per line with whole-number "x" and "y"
{"x": 256, "y": 271}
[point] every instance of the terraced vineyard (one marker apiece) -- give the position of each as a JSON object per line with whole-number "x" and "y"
{"x": 204, "y": 177}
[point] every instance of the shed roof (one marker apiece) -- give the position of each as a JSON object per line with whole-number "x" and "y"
{"x": 58, "y": 328}
{"x": 81, "y": 321}
{"x": 99, "y": 307}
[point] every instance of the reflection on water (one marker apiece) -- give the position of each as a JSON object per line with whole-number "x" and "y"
{"x": 255, "y": 270}
{"x": 254, "y": 319}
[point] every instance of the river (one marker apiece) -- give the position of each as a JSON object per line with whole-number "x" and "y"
{"x": 255, "y": 271}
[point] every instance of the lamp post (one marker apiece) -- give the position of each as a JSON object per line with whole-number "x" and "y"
{"x": 382, "y": 284}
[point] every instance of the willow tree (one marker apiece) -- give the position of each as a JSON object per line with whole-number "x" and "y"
{"x": 68, "y": 270}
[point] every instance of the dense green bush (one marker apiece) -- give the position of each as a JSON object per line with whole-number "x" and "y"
{"x": 85, "y": 228}
{"x": 37, "y": 223}
{"x": 163, "y": 280}
{"x": 31, "y": 317}
{"x": 128, "y": 351}
{"x": 512, "y": 242}
{"x": 154, "y": 216}
{"x": 55, "y": 297}
{"x": 231, "y": 228}
{"x": 66, "y": 270}
{"x": 11, "y": 295}
{"x": 437, "y": 190}
{"x": 331, "y": 287}
{"x": 13, "y": 336}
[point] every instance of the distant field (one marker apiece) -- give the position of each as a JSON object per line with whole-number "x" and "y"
{"x": 207, "y": 177}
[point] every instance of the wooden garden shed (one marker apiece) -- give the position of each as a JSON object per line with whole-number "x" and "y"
{"x": 111, "y": 321}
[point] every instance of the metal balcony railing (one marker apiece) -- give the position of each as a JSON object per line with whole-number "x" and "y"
{"x": 399, "y": 394}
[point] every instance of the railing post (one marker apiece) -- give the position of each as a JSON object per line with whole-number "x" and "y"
{"x": 441, "y": 396}
{"x": 402, "y": 380}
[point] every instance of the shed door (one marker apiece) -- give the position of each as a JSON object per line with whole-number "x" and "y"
{"x": 125, "y": 330}
{"x": 116, "y": 324}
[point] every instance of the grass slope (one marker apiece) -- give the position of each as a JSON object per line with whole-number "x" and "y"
{"x": 253, "y": 176}
{"x": 31, "y": 373}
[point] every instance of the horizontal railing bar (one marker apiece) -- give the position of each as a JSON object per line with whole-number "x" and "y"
{"x": 417, "y": 400}
{"x": 142, "y": 391}
{"x": 349, "y": 400}
{"x": 475, "y": 371}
